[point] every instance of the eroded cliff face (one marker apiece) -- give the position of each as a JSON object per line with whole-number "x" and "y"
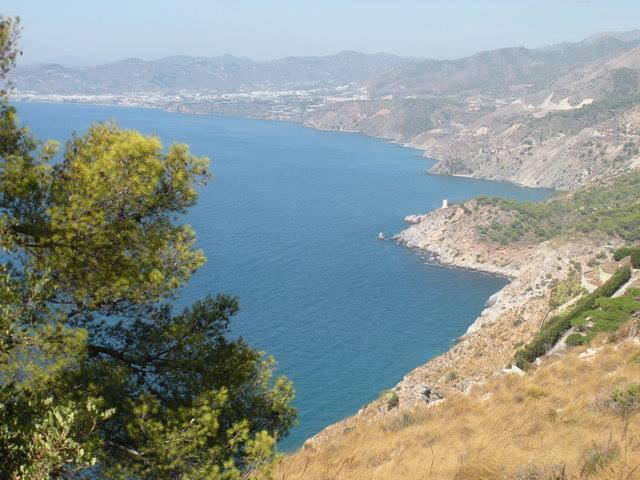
{"x": 529, "y": 141}
{"x": 561, "y": 150}
{"x": 512, "y": 316}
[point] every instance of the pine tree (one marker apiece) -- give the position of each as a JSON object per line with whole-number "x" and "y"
{"x": 98, "y": 374}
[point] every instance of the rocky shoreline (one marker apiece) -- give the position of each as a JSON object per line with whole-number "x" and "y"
{"x": 495, "y": 154}
{"x": 512, "y": 315}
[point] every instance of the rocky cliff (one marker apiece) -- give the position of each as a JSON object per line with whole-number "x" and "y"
{"x": 554, "y": 118}
{"x": 540, "y": 140}
{"x": 512, "y": 316}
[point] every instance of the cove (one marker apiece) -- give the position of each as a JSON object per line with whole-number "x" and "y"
{"x": 290, "y": 224}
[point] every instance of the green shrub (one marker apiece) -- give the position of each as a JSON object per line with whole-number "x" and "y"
{"x": 611, "y": 208}
{"x": 553, "y": 330}
{"x": 626, "y": 401}
{"x": 390, "y": 397}
{"x": 622, "y": 252}
{"x": 597, "y": 458}
{"x": 633, "y": 252}
{"x": 576, "y": 339}
{"x": 611, "y": 286}
{"x": 633, "y": 292}
{"x": 607, "y": 316}
{"x": 565, "y": 290}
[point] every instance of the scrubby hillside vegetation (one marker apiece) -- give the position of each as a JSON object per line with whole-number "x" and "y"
{"x": 576, "y": 417}
{"x": 572, "y": 411}
{"x": 611, "y": 206}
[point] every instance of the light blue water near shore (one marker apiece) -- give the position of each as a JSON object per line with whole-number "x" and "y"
{"x": 290, "y": 225}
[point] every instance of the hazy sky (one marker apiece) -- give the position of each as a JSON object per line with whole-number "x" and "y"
{"x": 88, "y": 31}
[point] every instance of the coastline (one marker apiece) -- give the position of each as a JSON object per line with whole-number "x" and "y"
{"x": 170, "y": 108}
{"x": 27, "y": 98}
{"x": 416, "y": 382}
{"x": 511, "y": 316}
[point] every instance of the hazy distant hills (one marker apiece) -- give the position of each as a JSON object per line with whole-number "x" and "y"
{"x": 502, "y": 68}
{"x": 222, "y": 73}
{"x": 557, "y": 116}
{"x": 383, "y": 73}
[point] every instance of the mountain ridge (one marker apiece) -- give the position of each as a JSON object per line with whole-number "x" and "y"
{"x": 554, "y": 116}
{"x": 384, "y": 72}
{"x": 219, "y": 73}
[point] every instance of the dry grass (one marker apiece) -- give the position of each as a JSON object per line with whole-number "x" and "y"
{"x": 554, "y": 423}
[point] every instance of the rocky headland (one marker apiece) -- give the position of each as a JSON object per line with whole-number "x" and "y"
{"x": 511, "y": 318}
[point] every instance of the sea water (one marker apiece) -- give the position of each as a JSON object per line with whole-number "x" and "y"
{"x": 290, "y": 225}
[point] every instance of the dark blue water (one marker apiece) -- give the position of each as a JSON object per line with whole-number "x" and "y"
{"x": 290, "y": 225}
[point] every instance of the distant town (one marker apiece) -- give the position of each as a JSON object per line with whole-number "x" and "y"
{"x": 292, "y": 104}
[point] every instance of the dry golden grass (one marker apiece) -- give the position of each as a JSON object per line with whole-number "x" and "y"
{"x": 553, "y": 423}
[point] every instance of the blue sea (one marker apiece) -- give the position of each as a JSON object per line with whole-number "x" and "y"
{"x": 289, "y": 224}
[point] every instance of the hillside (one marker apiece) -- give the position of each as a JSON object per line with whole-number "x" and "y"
{"x": 515, "y": 115}
{"x": 382, "y": 73}
{"x": 610, "y": 206}
{"x": 572, "y": 301}
{"x": 575, "y": 417}
{"x": 500, "y": 69}
{"x": 118, "y": 362}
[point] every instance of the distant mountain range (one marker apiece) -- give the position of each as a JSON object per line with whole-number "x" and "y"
{"x": 502, "y": 68}
{"x": 383, "y": 73}
{"x": 224, "y": 73}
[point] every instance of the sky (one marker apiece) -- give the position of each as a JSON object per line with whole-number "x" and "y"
{"x": 92, "y": 32}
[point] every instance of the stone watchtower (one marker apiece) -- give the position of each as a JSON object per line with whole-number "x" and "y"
{"x": 445, "y": 203}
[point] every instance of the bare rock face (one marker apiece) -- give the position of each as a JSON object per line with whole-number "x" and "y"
{"x": 414, "y": 218}
{"x": 416, "y": 393}
{"x": 450, "y": 236}
{"x": 563, "y": 156}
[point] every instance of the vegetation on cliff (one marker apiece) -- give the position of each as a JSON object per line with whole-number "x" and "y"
{"x": 564, "y": 290}
{"x": 611, "y": 207}
{"x": 633, "y": 252}
{"x": 606, "y": 316}
{"x": 554, "y": 328}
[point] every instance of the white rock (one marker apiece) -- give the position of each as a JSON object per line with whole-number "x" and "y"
{"x": 590, "y": 352}
{"x": 515, "y": 370}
